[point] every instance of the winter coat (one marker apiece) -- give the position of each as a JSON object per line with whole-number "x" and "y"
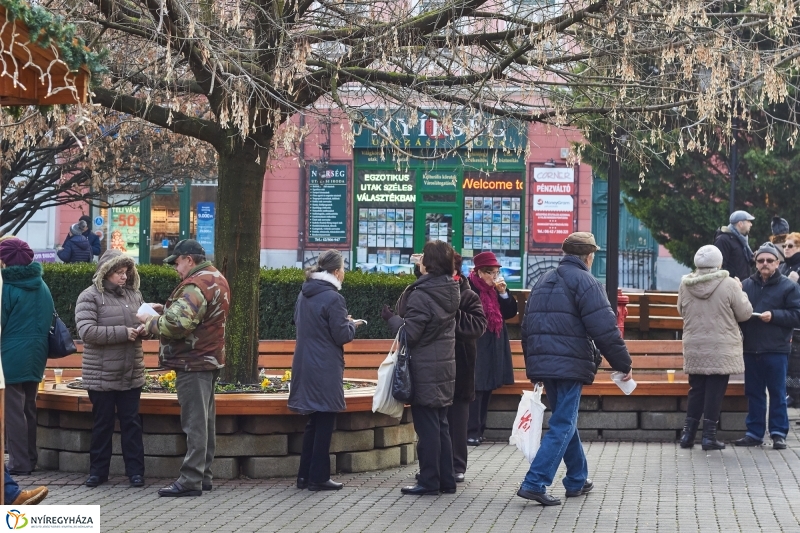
{"x": 323, "y": 328}
{"x": 562, "y": 317}
{"x": 428, "y": 310}
{"x": 27, "y": 313}
{"x": 733, "y": 258}
{"x": 781, "y": 296}
{"x": 712, "y": 305}
{"x": 94, "y": 241}
{"x": 470, "y": 326}
{"x": 792, "y": 264}
{"x": 103, "y": 313}
{"x": 494, "y": 367}
{"x": 76, "y": 250}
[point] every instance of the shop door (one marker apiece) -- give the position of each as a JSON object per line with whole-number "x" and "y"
{"x": 438, "y": 224}
{"x": 165, "y": 221}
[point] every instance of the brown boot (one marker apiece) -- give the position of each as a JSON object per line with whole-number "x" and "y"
{"x": 31, "y": 497}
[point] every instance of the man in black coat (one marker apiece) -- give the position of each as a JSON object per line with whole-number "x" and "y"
{"x": 566, "y": 315}
{"x": 85, "y": 224}
{"x": 737, "y": 257}
{"x": 767, "y": 342}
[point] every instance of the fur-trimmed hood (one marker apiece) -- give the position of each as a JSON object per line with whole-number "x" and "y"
{"x": 702, "y": 283}
{"x": 26, "y": 277}
{"x": 112, "y": 260}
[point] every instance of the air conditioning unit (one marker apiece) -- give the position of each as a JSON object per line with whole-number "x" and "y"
{"x": 564, "y": 153}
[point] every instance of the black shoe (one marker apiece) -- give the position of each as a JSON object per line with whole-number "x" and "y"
{"x": 473, "y": 442}
{"x": 587, "y": 487}
{"x": 207, "y": 488}
{"x": 328, "y": 485}
{"x": 778, "y": 442}
{"x": 541, "y": 497}
{"x": 137, "y": 481}
{"x": 451, "y": 490}
{"x": 459, "y": 478}
{"x": 747, "y": 440}
{"x": 710, "y": 441}
{"x": 176, "y": 490}
{"x": 690, "y": 426}
{"x": 93, "y": 481}
{"x": 302, "y": 483}
{"x": 418, "y": 490}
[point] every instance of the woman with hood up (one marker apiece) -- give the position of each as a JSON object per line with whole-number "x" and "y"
{"x": 113, "y": 364}
{"x": 711, "y": 304}
{"x": 323, "y": 328}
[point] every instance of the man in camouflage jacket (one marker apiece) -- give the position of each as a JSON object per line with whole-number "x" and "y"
{"x": 192, "y": 334}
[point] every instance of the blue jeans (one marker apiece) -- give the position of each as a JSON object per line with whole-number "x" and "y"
{"x": 766, "y": 373}
{"x": 11, "y": 489}
{"x": 561, "y": 441}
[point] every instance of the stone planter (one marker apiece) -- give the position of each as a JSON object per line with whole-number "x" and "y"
{"x": 257, "y": 436}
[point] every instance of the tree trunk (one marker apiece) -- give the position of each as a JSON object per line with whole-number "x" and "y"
{"x": 237, "y": 248}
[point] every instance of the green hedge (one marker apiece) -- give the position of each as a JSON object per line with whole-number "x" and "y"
{"x": 365, "y": 295}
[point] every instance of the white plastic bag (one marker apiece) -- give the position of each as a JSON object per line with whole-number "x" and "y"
{"x": 383, "y": 401}
{"x": 526, "y": 434}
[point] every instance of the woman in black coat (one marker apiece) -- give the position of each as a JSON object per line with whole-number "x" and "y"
{"x": 427, "y": 311}
{"x": 493, "y": 368}
{"x": 470, "y": 325}
{"x": 323, "y": 328}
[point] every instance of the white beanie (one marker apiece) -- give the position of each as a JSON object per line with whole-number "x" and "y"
{"x": 708, "y": 256}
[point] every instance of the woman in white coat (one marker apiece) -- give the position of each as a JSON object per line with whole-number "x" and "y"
{"x": 711, "y": 304}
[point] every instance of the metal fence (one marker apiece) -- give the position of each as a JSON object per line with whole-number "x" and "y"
{"x": 637, "y": 269}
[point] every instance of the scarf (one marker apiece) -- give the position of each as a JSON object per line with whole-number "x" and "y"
{"x": 748, "y": 253}
{"x": 491, "y": 307}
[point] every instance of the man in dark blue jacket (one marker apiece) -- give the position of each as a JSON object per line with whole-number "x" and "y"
{"x": 767, "y": 341}
{"x": 85, "y": 224}
{"x": 566, "y": 315}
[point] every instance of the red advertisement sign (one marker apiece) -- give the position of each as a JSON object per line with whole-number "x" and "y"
{"x": 552, "y": 205}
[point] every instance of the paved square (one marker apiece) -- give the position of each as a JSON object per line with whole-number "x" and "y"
{"x": 639, "y": 487}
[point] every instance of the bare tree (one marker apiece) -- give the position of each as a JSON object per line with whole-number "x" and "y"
{"x": 667, "y": 75}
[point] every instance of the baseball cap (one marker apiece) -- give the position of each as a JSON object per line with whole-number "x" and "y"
{"x": 185, "y": 247}
{"x": 738, "y": 216}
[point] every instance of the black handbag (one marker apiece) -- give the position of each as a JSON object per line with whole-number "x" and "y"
{"x": 402, "y": 385}
{"x": 59, "y": 340}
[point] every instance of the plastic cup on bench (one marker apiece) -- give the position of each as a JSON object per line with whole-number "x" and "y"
{"x": 58, "y": 372}
{"x": 671, "y": 376}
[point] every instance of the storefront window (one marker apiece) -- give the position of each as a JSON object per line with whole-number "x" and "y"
{"x": 493, "y": 220}
{"x": 123, "y": 227}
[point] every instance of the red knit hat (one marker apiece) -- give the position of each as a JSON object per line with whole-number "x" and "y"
{"x": 484, "y": 260}
{"x": 15, "y": 252}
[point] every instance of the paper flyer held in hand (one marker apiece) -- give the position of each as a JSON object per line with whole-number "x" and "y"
{"x": 145, "y": 309}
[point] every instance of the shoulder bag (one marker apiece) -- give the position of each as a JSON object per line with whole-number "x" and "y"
{"x": 59, "y": 340}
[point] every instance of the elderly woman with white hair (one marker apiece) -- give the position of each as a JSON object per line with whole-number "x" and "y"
{"x": 711, "y": 304}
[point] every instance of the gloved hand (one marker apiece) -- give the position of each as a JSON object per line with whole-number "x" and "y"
{"x": 386, "y": 313}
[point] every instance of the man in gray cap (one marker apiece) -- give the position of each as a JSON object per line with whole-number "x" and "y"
{"x": 568, "y": 323}
{"x": 192, "y": 334}
{"x": 767, "y": 342}
{"x": 737, "y": 257}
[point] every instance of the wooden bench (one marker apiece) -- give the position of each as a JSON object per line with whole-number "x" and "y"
{"x": 651, "y": 360}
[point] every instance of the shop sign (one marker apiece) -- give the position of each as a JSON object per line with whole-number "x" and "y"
{"x": 123, "y": 230}
{"x": 206, "y": 214}
{"x": 553, "y": 204}
{"x": 386, "y": 188}
{"x": 494, "y": 184}
{"x": 327, "y": 204}
{"x": 440, "y": 181}
{"x": 431, "y": 130}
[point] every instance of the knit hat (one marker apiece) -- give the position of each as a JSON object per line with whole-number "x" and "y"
{"x": 768, "y": 248}
{"x": 708, "y": 256}
{"x": 738, "y": 216}
{"x": 779, "y": 226}
{"x": 485, "y": 260}
{"x": 580, "y": 243}
{"x": 15, "y": 252}
{"x": 78, "y": 228}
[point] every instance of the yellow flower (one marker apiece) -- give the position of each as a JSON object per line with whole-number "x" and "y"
{"x": 287, "y": 376}
{"x": 265, "y": 383}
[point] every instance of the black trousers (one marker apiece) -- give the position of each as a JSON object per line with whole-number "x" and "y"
{"x": 478, "y": 409}
{"x": 126, "y": 403}
{"x": 457, "y": 419}
{"x": 315, "y": 461}
{"x": 705, "y": 396}
{"x": 434, "y": 450}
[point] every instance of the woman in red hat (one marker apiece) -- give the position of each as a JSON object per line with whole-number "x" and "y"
{"x": 493, "y": 369}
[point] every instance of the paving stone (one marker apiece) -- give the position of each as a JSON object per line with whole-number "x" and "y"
{"x": 500, "y": 419}
{"x": 408, "y": 453}
{"x": 601, "y": 420}
{"x": 370, "y": 460}
{"x": 729, "y": 403}
{"x": 48, "y": 459}
{"x": 363, "y": 420}
{"x": 640, "y": 403}
{"x": 271, "y": 467}
{"x": 226, "y": 424}
{"x": 393, "y": 436}
{"x": 497, "y": 435}
{"x": 649, "y": 420}
{"x": 48, "y": 417}
{"x": 653, "y": 435}
{"x": 732, "y": 421}
{"x": 73, "y": 462}
{"x": 72, "y": 440}
{"x": 161, "y": 424}
{"x": 504, "y": 402}
{"x": 246, "y": 445}
{"x": 341, "y": 441}
{"x": 269, "y": 424}
{"x": 407, "y": 417}
{"x": 155, "y": 444}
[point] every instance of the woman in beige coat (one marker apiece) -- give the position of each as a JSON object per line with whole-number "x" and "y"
{"x": 711, "y": 304}
{"x": 113, "y": 364}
